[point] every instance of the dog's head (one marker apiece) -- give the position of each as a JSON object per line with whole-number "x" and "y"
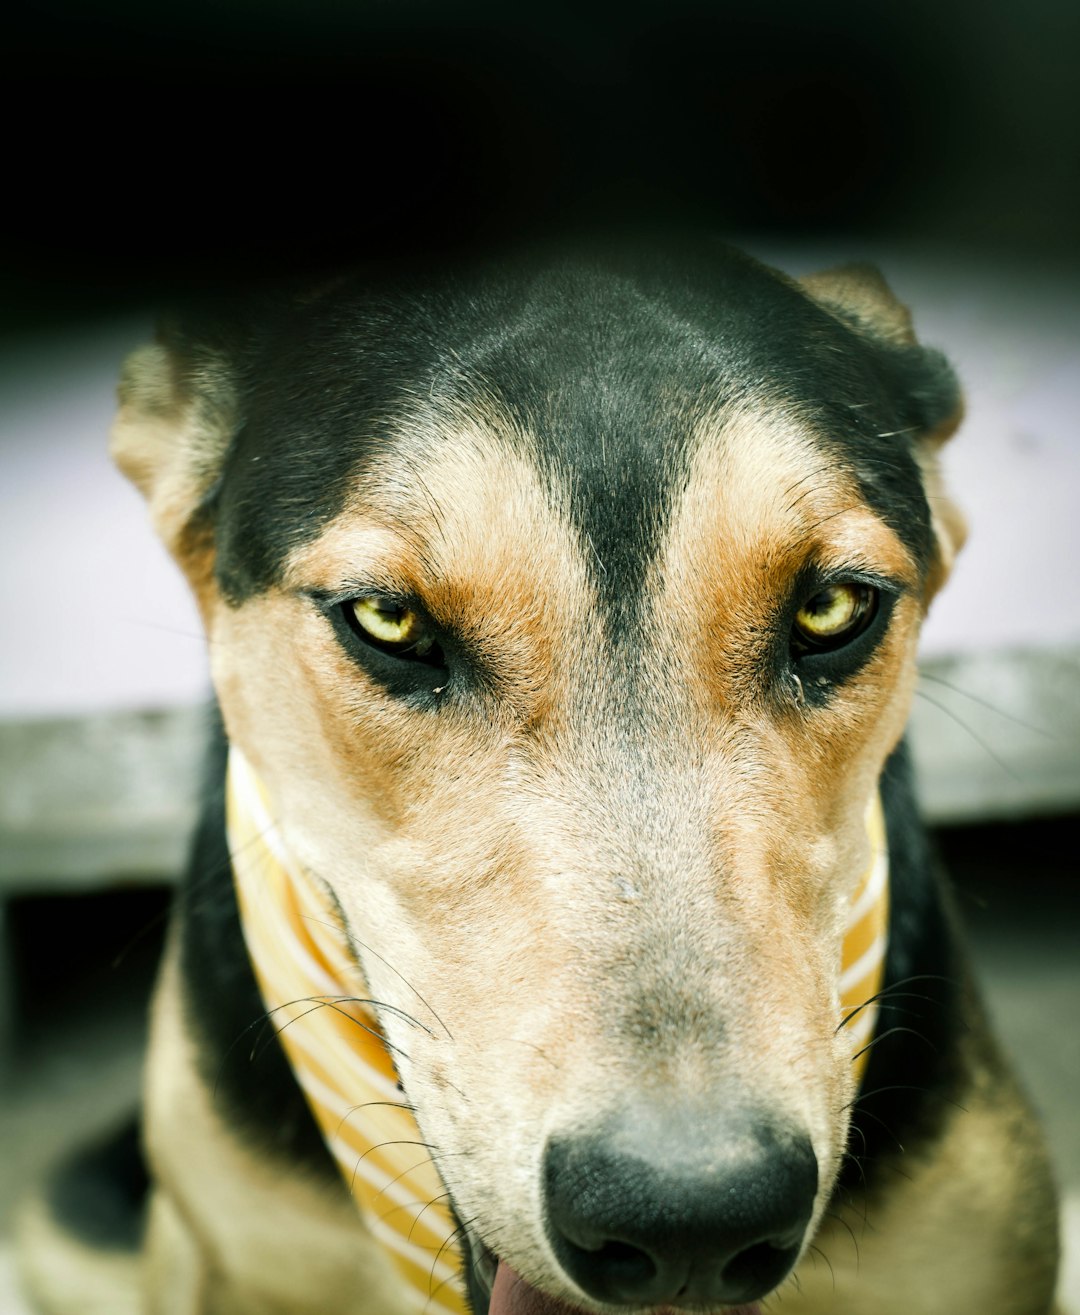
{"x": 569, "y": 615}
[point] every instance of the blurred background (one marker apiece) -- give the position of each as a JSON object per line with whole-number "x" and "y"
{"x": 163, "y": 152}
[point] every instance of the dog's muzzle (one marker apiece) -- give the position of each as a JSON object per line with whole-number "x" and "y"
{"x": 652, "y": 1209}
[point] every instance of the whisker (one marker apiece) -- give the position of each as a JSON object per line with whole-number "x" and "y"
{"x": 400, "y": 1141}
{"x": 369, "y": 1104}
{"x": 599, "y": 560}
{"x": 854, "y": 1127}
{"x": 990, "y": 707}
{"x": 316, "y": 1002}
{"x": 144, "y": 623}
{"x": 894, "y": 1008}
{"x": 879, "y": 1091}
{"x": 818, "y": 1251}
{"x": 151, "y": 924}
{"x": 443, "y": 1196}
{"x": 874, "y": 1040}
{"x": 869, "y": 1114}
{"x": 403, "y": 1014}
{"x": 895, "y": 991}
{"x": 832, "y": 516}
{"x": 922, "y": 694}
{"x": 436, "y": 1158}
{"x": 461, "y": 1232}
{"x": 331, "y": 1002}
{"x": 830, "y": 469}
{"x": 404, "y": 980}
{"x": 374, "y": 953}
{"x": 832, "y": 1214}
{"x": 857, "y": 1158}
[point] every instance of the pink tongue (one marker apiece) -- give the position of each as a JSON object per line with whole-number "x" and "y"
{"x": 511, "y": 1295}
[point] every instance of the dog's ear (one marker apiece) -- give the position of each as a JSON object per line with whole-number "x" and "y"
{"x": 859, "y": 295}
{"x": 178, "y": 413}
{"x": 927, "y": 391}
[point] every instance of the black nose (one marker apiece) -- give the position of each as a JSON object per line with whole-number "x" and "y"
{"x": 659, "y": 1208}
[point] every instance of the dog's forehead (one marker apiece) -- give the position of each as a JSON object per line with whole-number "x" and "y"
{"x": 478, "y": 520}
{"x": 607, "y": 385}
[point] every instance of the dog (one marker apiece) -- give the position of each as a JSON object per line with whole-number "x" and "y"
{"x": 563, "y": 617}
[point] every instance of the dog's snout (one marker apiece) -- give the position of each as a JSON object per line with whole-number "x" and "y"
{"x": 660, "y": 1210}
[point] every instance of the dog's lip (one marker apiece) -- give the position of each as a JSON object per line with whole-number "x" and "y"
{"x": 510, "y": 1294}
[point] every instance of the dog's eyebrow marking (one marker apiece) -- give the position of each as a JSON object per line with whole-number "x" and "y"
{"x": 738, "y": 545}
{"x": 481, "y": 541}
{"x": 353, "y": 554}
{"x": 736, "y": 519}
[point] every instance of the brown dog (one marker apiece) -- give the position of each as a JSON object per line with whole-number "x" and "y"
{"x": 567, "y": 616}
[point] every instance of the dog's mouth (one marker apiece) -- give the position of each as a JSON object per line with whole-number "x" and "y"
{"x": 509, "y": 1294}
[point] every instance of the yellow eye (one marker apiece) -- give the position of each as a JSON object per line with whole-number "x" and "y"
{"x": 399, "y": 628}
{"x": 834, "y": 614}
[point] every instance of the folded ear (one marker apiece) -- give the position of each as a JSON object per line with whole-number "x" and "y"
{"x": 927, "y": 391}
{"x": 178, "y": 414}
{"x": 859, "y": 295}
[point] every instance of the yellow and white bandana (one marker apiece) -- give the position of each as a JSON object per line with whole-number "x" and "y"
{"x": 343, "y": 1065}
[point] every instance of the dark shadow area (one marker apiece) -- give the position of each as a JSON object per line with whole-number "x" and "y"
{"x": 1017, "y": 880}
{"x": 81, "y": 959}
{"x": 160, "y": 148}
{"x": 81, "y": 974}
{"x": 1020, "y": 902}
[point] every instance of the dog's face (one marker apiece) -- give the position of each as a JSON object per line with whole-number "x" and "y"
{"x": 569, "y": 617}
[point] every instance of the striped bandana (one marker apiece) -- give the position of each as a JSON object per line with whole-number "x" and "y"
{"x": 306, "y": 971}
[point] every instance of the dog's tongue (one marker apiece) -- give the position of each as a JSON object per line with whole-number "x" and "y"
{"x": 511, "y": 1295}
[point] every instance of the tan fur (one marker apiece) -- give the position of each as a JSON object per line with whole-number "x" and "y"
{"x": 946, "y": 518}
{"x": 611, "y": 872}
{"x": 169, "y": 438}
{"x": 61, "y": 1276}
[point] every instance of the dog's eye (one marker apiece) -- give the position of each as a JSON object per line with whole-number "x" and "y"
{"x": 833, "y": 617}
{"x": 393, "y": 628}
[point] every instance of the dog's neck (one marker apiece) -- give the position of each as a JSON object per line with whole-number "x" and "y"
{"x": 345, "y": 1067}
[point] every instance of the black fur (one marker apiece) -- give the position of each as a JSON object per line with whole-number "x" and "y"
{"x": 241, "y": 1061}
{"x": 911, "y": 1076}
{"x": 97, "y": 1195}
{"x": 606, "y": 360}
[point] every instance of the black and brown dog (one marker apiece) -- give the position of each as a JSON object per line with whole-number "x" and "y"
{"x": 568, "y": 614}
